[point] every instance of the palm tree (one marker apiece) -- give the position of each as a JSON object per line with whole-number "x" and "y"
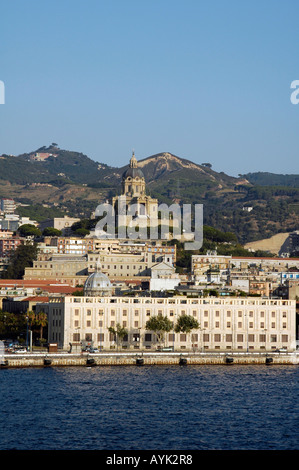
{"x": 41, "y": 321}
{"x": 119, "y": 333}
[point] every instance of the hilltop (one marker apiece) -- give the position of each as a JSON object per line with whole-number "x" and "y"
{"x": 70, "y": 182}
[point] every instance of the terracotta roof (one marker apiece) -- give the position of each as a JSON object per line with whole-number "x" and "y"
{"x": 47, "y": 286}
{"x": 38, "y": 298}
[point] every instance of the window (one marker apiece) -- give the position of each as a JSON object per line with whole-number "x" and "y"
{"x": 217, "y": 338}
{"x": 147, "y": 337}
{"x": 240, "y": 338}
{"x": 228, "y": 338}
{"x": 183, "y": 337}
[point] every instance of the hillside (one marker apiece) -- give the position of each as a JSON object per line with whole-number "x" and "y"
{"x": 72, "y": 183}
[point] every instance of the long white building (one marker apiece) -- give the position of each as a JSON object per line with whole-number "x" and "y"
{"x": 236, "y": 324}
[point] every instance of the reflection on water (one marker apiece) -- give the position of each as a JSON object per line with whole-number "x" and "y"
{"x": 150, "y": 407}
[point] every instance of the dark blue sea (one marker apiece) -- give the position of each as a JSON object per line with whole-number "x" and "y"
{"x": 150, "y": 407}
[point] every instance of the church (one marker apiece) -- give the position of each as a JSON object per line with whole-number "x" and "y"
{"x": 139, "y": 206}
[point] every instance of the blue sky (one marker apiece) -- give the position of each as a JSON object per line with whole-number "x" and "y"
{"x": 205, "y": 80}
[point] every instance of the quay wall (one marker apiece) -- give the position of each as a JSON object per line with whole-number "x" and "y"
{"x": 125, "y": 359}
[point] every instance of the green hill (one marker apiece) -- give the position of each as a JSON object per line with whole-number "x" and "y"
{"x": 253, "y": 206}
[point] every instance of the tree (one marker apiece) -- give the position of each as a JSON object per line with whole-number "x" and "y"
{"x": 185, "y": 324}
{"x": 119, "y": 333}
{"x": 51, "y": 232}
{"x": 22, "y": 258}
{"x": 41, "y": 320}
{"x": 159, "y": 325}
{"x": 28, "y": 230}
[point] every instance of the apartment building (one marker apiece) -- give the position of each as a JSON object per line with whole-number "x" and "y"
{"x": 9, "y": 244}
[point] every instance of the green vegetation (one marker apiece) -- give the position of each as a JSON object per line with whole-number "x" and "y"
{"x": 51, "y": 232}
{"x": 14, "y": 325}
{"x": 39, "y": 212}
{"x": 119, "y": 333}
{"x": 269, "y": 179}
{"x": 159, "y": 325}
{"x": 185, "y": 324}
{"x": 28, "y": 230}
{"x": 22, "y": 258}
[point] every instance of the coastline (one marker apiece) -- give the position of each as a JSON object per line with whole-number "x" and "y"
{"x": 145, "y": 359}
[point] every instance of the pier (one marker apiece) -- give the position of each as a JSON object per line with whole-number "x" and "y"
{"x": 145, "y": 359}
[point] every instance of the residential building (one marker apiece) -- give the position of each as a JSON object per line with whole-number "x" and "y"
{"x": 9, "y": 244}
{"x": 7, "y": 206}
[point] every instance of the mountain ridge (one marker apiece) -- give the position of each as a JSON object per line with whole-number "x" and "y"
{"x": 75, "y": 184}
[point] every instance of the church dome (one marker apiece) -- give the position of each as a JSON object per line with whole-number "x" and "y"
{"x": 97, "y": 284}
{"x": 133, "y": 171}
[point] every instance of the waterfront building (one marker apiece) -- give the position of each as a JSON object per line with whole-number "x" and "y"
{"x": 226, "y": 324}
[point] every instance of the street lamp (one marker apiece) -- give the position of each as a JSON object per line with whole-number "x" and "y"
{"x": 27, "y": 333}
{"x": 265, "y": 329}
